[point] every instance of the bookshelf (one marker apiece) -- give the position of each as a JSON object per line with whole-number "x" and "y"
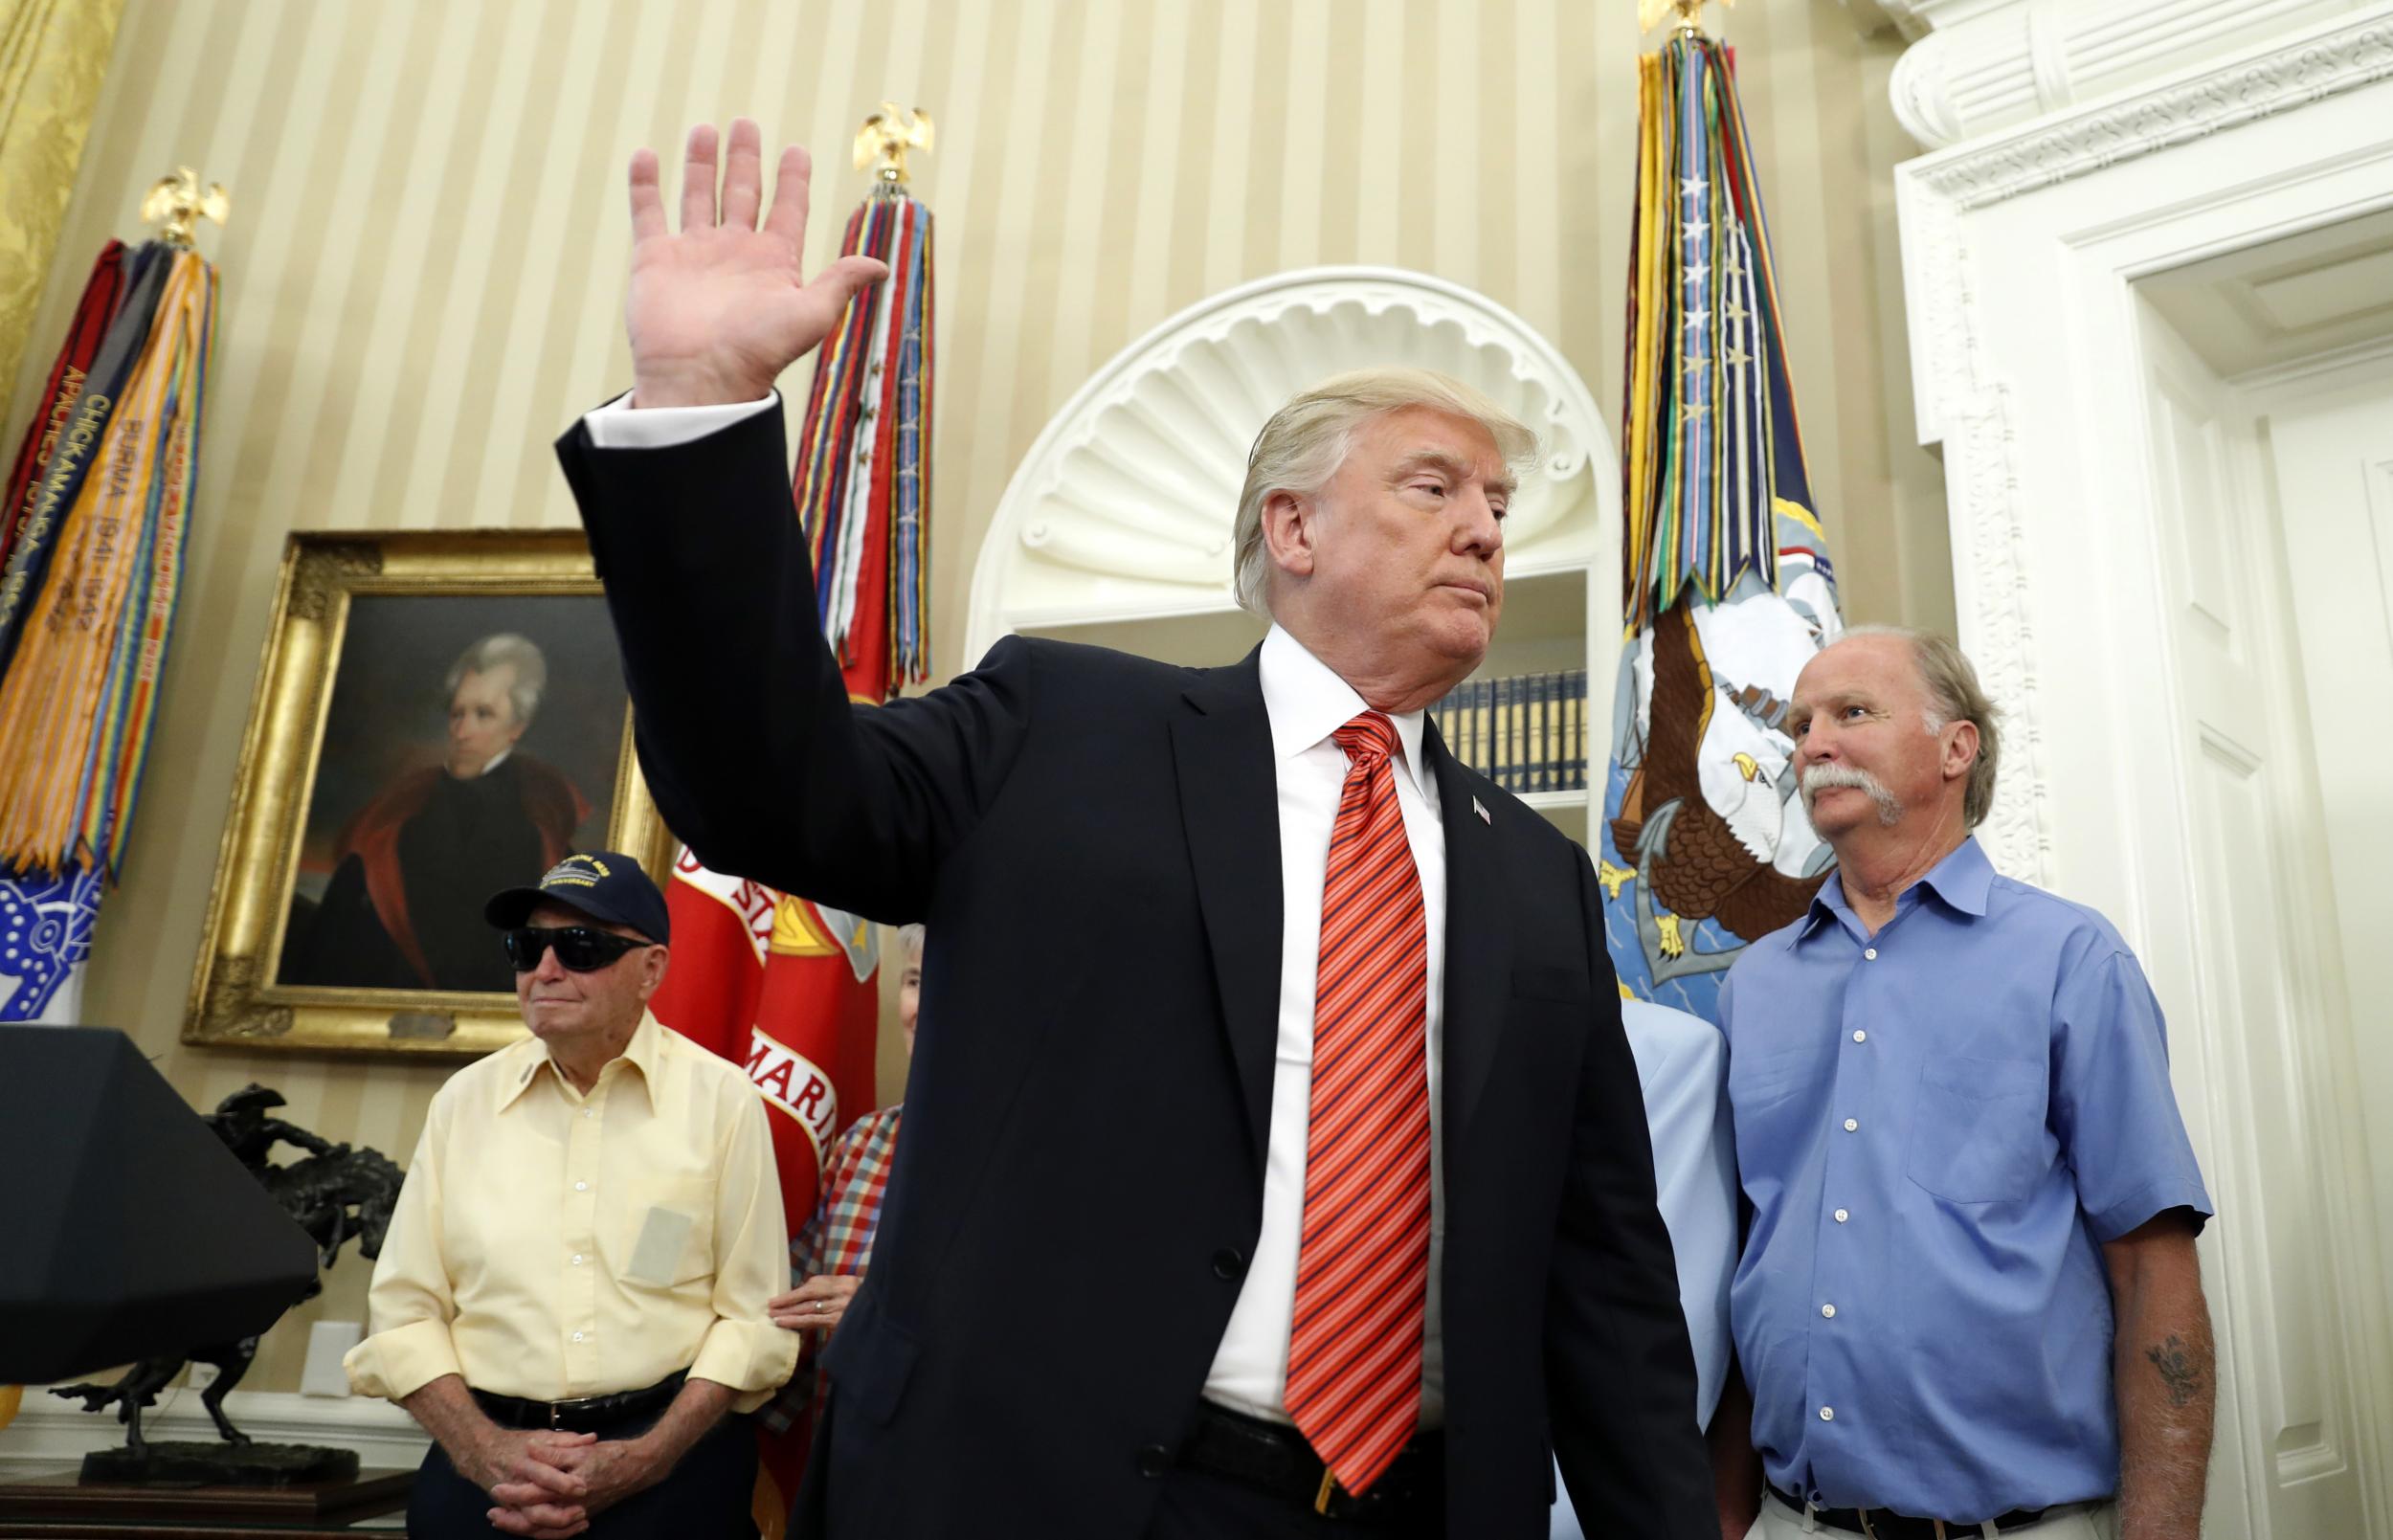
{"x": 1115, "y": 528}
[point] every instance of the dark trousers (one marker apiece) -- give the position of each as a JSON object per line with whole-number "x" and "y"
{"x": 708, "y": 1496}
{"x": 1198, "y": 1504}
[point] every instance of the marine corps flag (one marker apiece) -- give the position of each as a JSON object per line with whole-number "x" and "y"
{"x": 1705, "y": 845}
{"x": 92, "y": 524}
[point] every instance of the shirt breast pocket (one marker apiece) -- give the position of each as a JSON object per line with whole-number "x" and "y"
{"x": 663, "y": 1235}
{"x": 1977, "y": 1129}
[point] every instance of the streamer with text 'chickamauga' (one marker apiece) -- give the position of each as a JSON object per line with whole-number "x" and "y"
{"x": 96, "y": 516}
{"x": 1705, "y": 846}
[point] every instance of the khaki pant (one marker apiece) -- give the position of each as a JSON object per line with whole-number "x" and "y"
{"x": 2083, "y": 1521}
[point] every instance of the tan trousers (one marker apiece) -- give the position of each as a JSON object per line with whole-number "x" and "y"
{"x": 2085, "y": 1521}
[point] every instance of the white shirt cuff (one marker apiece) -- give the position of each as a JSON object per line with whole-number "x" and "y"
{"x": 620, "y": 425}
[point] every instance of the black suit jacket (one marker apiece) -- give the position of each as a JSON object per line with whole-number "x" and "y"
{"x": 1092, "y": 837}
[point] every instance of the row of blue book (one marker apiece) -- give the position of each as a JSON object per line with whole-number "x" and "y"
{"x": 1527, "y": 733}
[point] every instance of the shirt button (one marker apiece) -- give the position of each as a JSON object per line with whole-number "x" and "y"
{"x": 1841, "y": 1215}
{"x": 1852, "y": 1124}
{"x": 577, "y": 1258}
{"x": 1827, "y": 1414}
{"x": 1828, "y": 1310}
{"x": 577, "y": 1336}
{"x": 590, "y": 1112}
{"x": 1859, "y": 1035}
{"x": 584, "y": 1187}
{"x": 1870, "y": 952}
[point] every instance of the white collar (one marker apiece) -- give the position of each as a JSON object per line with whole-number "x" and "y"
{"x": 1307, "y": 703}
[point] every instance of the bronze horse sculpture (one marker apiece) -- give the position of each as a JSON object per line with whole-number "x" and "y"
{"x": 336, "y": 1193}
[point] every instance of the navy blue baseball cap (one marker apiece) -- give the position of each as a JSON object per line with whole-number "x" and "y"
{"x": 605, "y": 884}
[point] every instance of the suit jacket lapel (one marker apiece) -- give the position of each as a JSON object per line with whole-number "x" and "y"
{"x": 1478, "y": 942}
{"x": 1230, "y": 810}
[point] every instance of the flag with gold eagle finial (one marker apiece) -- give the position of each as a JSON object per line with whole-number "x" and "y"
{"x": 787, "y": 986}
{"x": 1703, "y": 844}
{"x": 95, "y": 516}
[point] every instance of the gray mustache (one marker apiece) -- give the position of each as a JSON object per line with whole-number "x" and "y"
{"x": 1818, "y": 778}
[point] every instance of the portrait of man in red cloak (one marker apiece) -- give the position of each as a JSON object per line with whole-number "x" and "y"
{"x": 411, "y": 866}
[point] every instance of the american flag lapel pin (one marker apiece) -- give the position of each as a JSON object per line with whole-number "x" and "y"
{"x": 1481, "y": 807}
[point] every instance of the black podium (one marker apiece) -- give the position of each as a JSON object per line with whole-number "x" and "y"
{"x": 126, "y": 1228}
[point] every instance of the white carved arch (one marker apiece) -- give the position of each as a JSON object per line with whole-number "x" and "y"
{"x": 1121, "y": 508}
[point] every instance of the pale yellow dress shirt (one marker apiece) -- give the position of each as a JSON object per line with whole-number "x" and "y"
{"x": 552, "y": 1245}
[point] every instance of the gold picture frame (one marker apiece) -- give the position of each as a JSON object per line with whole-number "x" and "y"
{"x": 361, "y": 671}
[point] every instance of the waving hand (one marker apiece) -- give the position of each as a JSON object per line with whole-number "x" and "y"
{"x": 717, "y": 311}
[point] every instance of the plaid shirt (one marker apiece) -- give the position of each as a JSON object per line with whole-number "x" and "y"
{"x": 837, "y": 1241}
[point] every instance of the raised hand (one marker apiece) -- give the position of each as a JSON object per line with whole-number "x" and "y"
{"x": 718, "y": 311}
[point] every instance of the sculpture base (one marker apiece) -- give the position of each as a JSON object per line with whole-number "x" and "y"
{"x": 48, "y": 1506}
{"x": 220, "y": 1465}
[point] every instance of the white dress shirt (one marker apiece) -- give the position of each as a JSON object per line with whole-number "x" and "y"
{"x": 1306, "y": 704}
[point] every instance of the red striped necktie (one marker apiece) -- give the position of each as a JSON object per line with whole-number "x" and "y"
{"x": 1363, "y": 1265}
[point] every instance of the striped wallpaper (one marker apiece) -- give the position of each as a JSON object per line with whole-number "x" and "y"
{"x": 422, "y": 281}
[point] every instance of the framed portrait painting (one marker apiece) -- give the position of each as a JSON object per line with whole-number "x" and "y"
{"x": 438, "y": 716}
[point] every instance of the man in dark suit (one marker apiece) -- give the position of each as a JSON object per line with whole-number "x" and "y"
{"x": 1310, "y": 1175}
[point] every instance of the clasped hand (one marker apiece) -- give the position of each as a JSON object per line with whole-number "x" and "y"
{"x": 549, "y": 1486}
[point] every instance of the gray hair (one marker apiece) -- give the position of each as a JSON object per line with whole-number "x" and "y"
{"x": 509, "y": 651}
{"x": 1307, "y": 441}
{"x": 910, "y": 939}
{"x": 1954, "y": 695}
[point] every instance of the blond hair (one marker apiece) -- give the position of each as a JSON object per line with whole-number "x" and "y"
{"x": 1307, "y": 440}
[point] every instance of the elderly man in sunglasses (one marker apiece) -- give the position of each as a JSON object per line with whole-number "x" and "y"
{"x": 571, "y": 1299}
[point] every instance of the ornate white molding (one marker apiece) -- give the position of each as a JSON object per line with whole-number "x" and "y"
{"x": 1960, "y": 404}
{"x": 1964, "y": 404}
{"x": 1124, "y": 504}
{"x": 51, "y": 1433}
{"x": 1992, "y": 67}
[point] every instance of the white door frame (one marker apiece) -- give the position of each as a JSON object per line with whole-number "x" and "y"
{"x": 2022, "y": 252}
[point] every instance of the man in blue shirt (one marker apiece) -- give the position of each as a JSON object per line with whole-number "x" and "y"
{"x": 1968, "y": 1301}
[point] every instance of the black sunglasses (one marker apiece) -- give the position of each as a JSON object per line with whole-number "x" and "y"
{"x": 580, "y": 949}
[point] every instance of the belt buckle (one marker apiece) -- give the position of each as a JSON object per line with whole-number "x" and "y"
{"x": 558, "y": 1409}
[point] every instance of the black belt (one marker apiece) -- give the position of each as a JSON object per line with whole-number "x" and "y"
{"x": 592, "y": 1414}
{"x": 1274, "y": 1458}
{"x": 1885, "y": 1524}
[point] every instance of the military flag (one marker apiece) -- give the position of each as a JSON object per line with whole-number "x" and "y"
{"x": 775, "y": 981}
{"x": 95, "y": 515}
{"x": 47, "y": 430}
{"x": 1704, "y": 843}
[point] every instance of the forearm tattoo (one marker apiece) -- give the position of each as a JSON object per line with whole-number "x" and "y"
{"x": 2177, "y": 1368}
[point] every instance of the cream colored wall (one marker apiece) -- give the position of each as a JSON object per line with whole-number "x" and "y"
{"x": 423, "y": 274}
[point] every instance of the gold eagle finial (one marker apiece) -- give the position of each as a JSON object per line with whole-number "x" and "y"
{"x": 882, "y": 142}
{"x": 1652, "y": 14}
{"x": 177, "y": 203}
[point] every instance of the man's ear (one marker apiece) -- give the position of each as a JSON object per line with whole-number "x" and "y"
{"x": 1961, "y": 752}
{"x": 1290, "y": 531}
{"x": 652, "y": 963}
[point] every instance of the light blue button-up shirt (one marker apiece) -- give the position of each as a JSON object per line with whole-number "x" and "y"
{"x": 1937, "y": 1129}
